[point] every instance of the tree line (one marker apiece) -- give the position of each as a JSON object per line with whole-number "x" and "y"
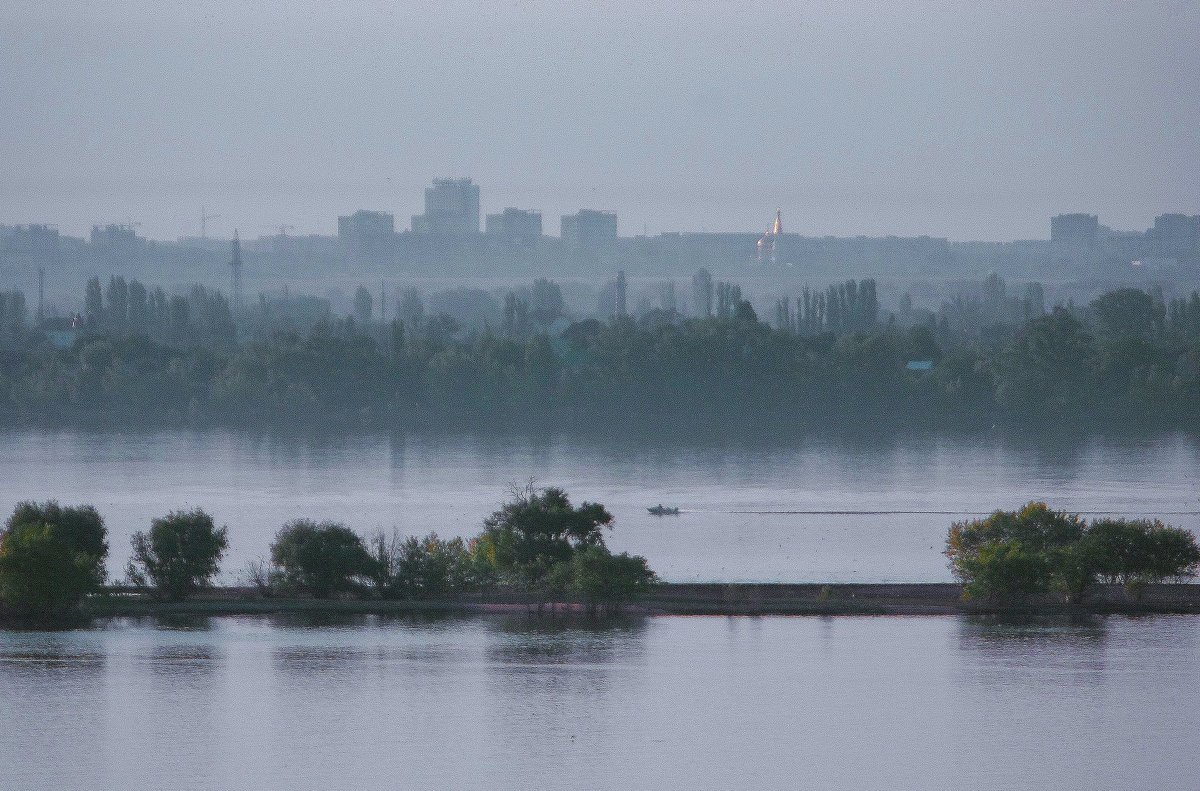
{"x": 52, "y": 557}
{"x": 1013, "y": 556}
{"x": 1127, "y": 357}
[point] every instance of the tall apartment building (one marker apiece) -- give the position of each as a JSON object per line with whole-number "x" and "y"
{"x": 364, "y": 225}
{"x": 589, "y": 228}
{"x": 1175, "y": 235}
{"x": 451, "y": 209}
{"x": 367, "y": 234}
{"x": 515, "y": 225}
{"x": 1075, "y": 230}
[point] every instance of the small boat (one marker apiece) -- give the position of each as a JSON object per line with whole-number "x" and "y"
{"x": 663, "y": 510}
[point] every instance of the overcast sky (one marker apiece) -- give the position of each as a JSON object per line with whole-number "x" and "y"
{"x": 968, "y": 120}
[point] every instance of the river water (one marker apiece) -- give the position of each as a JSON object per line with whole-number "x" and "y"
{"x": 659, "y": 703}
{"x": 653, "y": 703}
{"x": 808, "y": 509}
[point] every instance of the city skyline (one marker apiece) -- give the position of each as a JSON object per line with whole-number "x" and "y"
{"x": 910, "y": 119}
{"x": 442, "y": 216}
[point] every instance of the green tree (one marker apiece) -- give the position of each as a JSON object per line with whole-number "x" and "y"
{"x": 1126, "y": 551}
{"x": 180, "y": 554}
{"x": 363, "y": 304}
{"x": 1128, "y": 312}
{"x": 322, "y": 558}
{"x": 93, "y": 301}
{"x": 1011, "y": 555}
{"x": 423, "y": 568}
{"x": 538, "y": 528}
{"x": 603, "y": 580}
{"x": 1047, "y": 369}
{"x": 51, "y": 557}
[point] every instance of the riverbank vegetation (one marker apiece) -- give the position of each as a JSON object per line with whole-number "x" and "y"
{"x": 541, "y": 548}
{"x": 179, "y": 555}
{"x": 1013, "y": 556}
{"x": 1127, "y": 358}
{"x": 51, "y": 557}
{"x": 537, "y": 543}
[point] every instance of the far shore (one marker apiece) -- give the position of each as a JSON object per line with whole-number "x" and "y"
{"x": 747, "y": 599}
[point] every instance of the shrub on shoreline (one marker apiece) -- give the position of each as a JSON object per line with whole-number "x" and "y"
{"x": 1011, "y": 556}
{"x": 50, "y": 558}
{"x": 320, "y": 558}
{"x": 179, "y": 555}
{"x": 421, "y": 568}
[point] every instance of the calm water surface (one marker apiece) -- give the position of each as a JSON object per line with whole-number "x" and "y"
{"x": 781, "y": 512}
{"x": 660, "y": 703}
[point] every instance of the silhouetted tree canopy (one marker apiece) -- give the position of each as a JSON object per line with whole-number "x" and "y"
{"x": 51, "y": 557}
{"x": 144, "y": 357}
{"x": 320, "y": 558}
{"x": 179, "y": 555}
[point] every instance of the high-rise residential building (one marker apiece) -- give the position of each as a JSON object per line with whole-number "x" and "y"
{"x": 114, "y": 236}
{"x": 365, "y": 224}
{"x": 1075, "y": 230}
{"x": 589, "y": 228}
{"x": 31, "y": 240}
{"x": 367, "y": 233}
{"x": 1176, "y": 235}
{"x": 451, "y": 209}
{"x": 515, "y": 225}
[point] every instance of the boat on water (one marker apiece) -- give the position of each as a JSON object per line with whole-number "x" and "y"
{"x": 663, "y": 510}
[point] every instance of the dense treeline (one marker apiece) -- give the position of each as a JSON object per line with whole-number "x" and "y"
{"x": 1127, "y": 357}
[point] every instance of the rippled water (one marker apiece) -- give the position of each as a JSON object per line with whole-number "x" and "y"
{"x": 777, "y": 511}
{"x": 659, "y": 703}
{"x": 809, "y": 509}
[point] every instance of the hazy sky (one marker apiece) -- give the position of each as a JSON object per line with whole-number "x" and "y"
{"x": 967, "y": 120}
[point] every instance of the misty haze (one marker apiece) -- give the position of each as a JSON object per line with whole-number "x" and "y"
{"x": 544, "y": 395}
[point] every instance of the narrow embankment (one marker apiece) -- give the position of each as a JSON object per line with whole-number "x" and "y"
{"x": 680, "y": 599}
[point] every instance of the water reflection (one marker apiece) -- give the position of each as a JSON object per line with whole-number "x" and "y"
{"x": 536, "y": 642}
{"x": 1066, "y": 626}
{"x": 1022, "y": 651}
{"x": 184, "y": 622}
{"x": 286, "y": 701}
{"x": 41, "y": 659}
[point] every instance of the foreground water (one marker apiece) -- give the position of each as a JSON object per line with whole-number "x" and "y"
{"x": 807, "y": 509}
{"x": 660, "y": 703}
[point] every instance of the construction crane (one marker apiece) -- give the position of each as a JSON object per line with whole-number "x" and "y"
{"x": 204, "y": 218}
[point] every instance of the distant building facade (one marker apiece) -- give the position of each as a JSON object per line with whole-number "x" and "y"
{"x": 367, "y": 234}
{"x": 115, "y": 237}
{"x": 1175, "y": 235}
{"x": 451, "y": 209}
{"x": 365, "y": 224}
{"x": 515, "y": 225}
{"x": 29, "y": 247}
{"x": 1079, "y": 231}
{"x": 589, "y": 229}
